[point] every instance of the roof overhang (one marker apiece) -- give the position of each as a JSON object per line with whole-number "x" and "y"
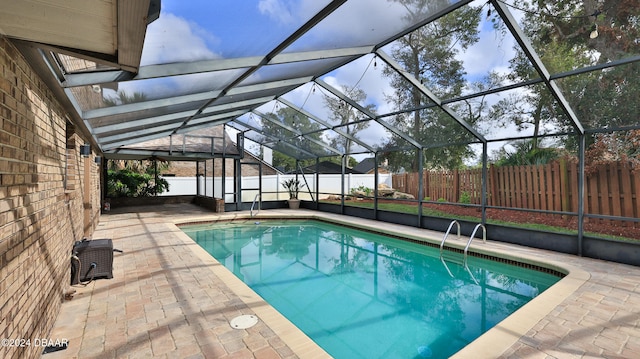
{"x": 106, "y": 29}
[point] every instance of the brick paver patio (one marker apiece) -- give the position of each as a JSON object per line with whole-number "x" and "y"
{"x": 169, "y": 300}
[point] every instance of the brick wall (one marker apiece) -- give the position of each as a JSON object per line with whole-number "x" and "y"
{"x": 44, "y": 203}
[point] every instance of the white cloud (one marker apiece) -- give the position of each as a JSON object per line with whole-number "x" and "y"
{"x": 277, "y": 10}
{"x": 287, "y": 12}
{"x": 491, "y": 53}
{"x": 355, "y": 23}
{"x": 174, "y": 39}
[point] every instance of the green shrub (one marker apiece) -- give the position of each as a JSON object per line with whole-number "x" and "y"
{"x": 127, "y": 183}
{"x": 465, "y": 198}
{"x": 366, "y": 190}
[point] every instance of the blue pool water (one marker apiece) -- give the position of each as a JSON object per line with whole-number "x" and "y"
{"x": 362, "y": 295}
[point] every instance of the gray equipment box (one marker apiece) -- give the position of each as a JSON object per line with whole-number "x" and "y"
{"x": 95, "y": 260}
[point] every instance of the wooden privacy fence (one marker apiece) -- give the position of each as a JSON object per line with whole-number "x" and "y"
{"x": 610, "y": 189}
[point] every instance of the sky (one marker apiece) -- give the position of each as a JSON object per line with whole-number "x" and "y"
{"x": 202, "y": 29}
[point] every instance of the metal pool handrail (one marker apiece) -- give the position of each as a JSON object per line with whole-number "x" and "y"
{"x": 447, "y": 233}
{"x": 254, "y": 203}
{"x": 444, "y": 263}
{"x": 484, "y": 239}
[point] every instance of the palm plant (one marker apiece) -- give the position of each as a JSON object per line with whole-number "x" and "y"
{"x": 293, "y": 186}
{"x": 527, "y": 152}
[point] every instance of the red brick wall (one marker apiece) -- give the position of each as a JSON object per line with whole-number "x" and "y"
{"x": 44, "y": 207}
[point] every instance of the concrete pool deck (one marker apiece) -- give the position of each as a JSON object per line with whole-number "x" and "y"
{"x": 170, "y": 299}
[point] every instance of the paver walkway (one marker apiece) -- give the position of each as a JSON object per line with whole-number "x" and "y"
{"x": 168, "y": 300}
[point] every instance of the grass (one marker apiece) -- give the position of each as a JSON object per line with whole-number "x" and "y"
{"x": 430, "y": 212}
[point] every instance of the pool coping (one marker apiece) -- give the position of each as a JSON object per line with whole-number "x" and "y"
{"x": 492, "y": 343}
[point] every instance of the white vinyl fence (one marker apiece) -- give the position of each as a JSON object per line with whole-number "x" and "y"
{"x": 272, "y": 189}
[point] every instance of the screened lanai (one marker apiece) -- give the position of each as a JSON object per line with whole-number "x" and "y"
{"x": 434, "y": 88}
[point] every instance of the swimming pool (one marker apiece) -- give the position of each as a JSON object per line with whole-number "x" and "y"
{"x": 359, "y": 294}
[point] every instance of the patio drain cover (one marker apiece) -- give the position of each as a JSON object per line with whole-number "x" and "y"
{"x": 244, "y": 321}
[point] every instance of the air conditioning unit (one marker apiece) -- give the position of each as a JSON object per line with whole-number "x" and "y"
{"x": 92, "y": 259}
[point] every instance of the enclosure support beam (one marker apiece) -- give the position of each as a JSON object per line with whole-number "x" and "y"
{"x": 224, "y": 168}
{"x": 375, "y": 185}
{"x": 213, "y": 177}
{"x": 343, "y": 165}
{"x": 317, "y": 182}
{"x": 198, "y": 178}
{"x": 420, "y": 185}
{"x": 581, "y": 164}
{"x": 484, "y": 184}
{"x": 237, "y": 177}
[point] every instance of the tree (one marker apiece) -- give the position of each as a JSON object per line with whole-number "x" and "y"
{"x": 135, "y": 178}
{"x": 351, "y": 162}
{"x": 613, "y": 147}
{"x": 347, "y": 117}
{"x": 283, "y": 156}
{"x": 527, "y": 152}
{"x": 428, "y": 54}
{"x": 562, "y": 34}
